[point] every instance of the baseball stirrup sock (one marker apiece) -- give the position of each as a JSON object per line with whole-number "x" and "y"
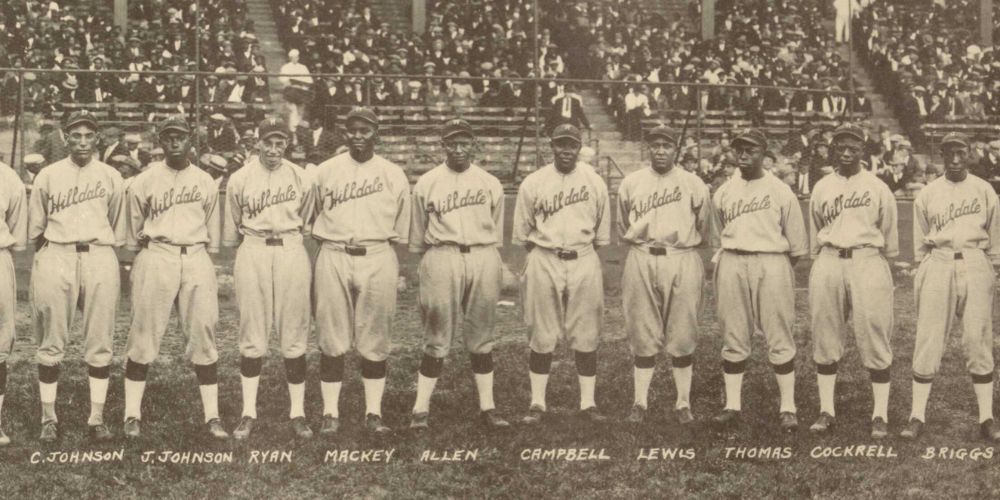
{"x": 373, "y": 379}
{"x": 683, "y": 371}
{"x": 331, "y": 376}
{"x": 880, "y": 393}
{"x": 99, "y": 376}
{"x": 586, "y": 369}
{"x": 135, "y": 385}
{"x": 785, "y": 375}
{"x": 482, "y": 372}
{"x": 539, "y": 365}
{"x": 642, "y": 374}
{"x": 430, "y": 370}
{"x": 982, "y": 385}
{"x": 921, "y": 389}
{"x": 48, "y": 377}
{"x": 208, "y": 386}
{"x": 295, "y": 376}
{"x": 733, "y": 377}
{"x": 249, "y": 381}
{"x": 826, "y": 381}
{"x": 331, "y": 397}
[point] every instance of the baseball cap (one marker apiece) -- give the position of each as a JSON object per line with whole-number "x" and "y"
{"x": 456, "y": 127}
{"x": 566, "y": 131}
{"x": 34, "y": 159}
{"x": 752, "y": 136}
{"x": 661, "y": 131}
{"x": 177, "y": 124}
{"x": 81, "y": 117}
{"x": 849, "y": 131}
{"x": 272, "y": 126}
{"x": 955, "y": 138}
{"x": 362, "y": 114}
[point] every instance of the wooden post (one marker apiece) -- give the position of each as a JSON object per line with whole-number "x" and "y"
{"x": 707, "y": 19}
{"x": 986, "y": 22}
{"x": 419, "y": 16}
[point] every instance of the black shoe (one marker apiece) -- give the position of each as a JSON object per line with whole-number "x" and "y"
{"x": 591, "y": 415}
{"x": 726, "y": 417}
{"x": 789, "y": 422}
{"x": 216, "y": 430}
{"x": 880, "y": 429}
{"x": 684, "y": 416}
{"x": 331, "y": 425}
{"x": 245, "y": 427}
{"x": 374, "y": 424}
{"x": 823, "y": 424}
{"x": 418, "y": 421}
{"x": 534, "y": 415}
{"x": 4, "y": 440}
{"x": 912, "y": 430}
{"x": 493, "y": 420}
{"x": 301, "y": 428}
{"x": 636, "y": 415}
{"x": 50, "y": 432}
{"x": 989, "y": 431}
{"x": 132, "y": 428}
{"x": 100, "y": 433}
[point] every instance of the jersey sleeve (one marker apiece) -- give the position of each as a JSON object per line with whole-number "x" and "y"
{"x": 233, "y": 216}
{"x": 498, "y": 211}
{"x": 403, "y": 208}
{"x": 213, "y": 217}
{"x": 887, "y": 221}
{"x": 17, "y": 214}
{"x": 135, "y": 213}
{"x": 37, "y": 216}
{"x": 524, "y": 219}
{"x": 993, "y": 223}
{"x": 920, "y": 227}
{"x": 624, "y": 207}
{"x": 602, "y": 232}
{"x": 704, "y": 211}
{"x": 794, "y": 226}
{"x": 715, "y": 220}
{"x": 418, "y": 220}
{"x": 814, "y": 224}
{"x": 116, "y": 209}
{"x": 307, "y": 209}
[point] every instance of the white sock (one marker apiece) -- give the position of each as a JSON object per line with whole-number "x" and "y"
{"x": 921, "y": 392}
{"x": 98, "y": 395}
{"x": 47, "y": 393}
{"x": 734, "y": 386}
{"x": 587, "y": 391}
{"x": 210, "y": 400}
{"x": 331, "y": 398}
{"x": 374, "y": 387}
{"x": 296, "y": 400}
{"x": 425, "y": 388}
{"x": 538, "y": 383}
{"x": 133, "y": 398}
{"x": 786, "y": 389}
{"x": 826, "y": 384}
{"x": 682, "y": 381}
{"x": 250, "y": 385}
{"x": 642, "y": 378}
{"x": 880, "y": 399}
{"x": 984, "y": 396}
{"x": 484, "y": 383}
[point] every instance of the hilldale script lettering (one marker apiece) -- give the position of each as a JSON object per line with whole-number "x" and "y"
{"x": 549, "y": 207}
{"x": 187, "y": 194}
{"x": 656, "y": 200}
{"x": 830, "y": 210}
{"x": 253, "y": 206}
{"x": 455, "y": 200}
{"x": 966, "y": 207}
{"x": 74, "y": 196}
{"x": 742, "y": 207}
{"x": 352, "y": 191}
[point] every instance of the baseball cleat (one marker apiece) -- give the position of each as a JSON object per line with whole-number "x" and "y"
{"x": 880, "y": 429}
{"x": 684, "y": 416}
{"x": 418, "y": 421}
{"x": 331, "y": 425}
{"x": 49, "y": 432}
{"x": 534, "y": 415}
{"x": 301, "y": 428}
{"x": 100, "y": 433}
{"x": 823, "y": 424}
{"x": 726, "y": 417}
{"x": 216, "y": 430}
{"x": 493, "y": 420}
{"x": 374, "y": 424}
{"x": 989, "y": 431}
{"x": 637, "y": 415}
{"x": 245, "y": 427}
{"x": 789, "y": 422}
{"x": 592, "y": 415}
{"x": 912, "y": 429}
{"x": 4, "y": 440}
{"x": 132, "y": 428}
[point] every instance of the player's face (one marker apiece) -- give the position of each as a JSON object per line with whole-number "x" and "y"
{"x": 458, "y": 149}
{"x": 272, "y": 150}
{"x": 661, "y": 152}
{"x": 747, "y": 155}
{"x": 566, "y": 151}
{"x": 955, "y": 159}
{"x": 361, "y": 137}
{"x": 176, "y": 145}
{"x": 847, "y": 152}
{"x": 81, "y": 140}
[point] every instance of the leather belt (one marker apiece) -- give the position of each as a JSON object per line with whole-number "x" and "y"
{"x": 181, "y": 249}
{"x": 82, "y": 247}
{"x": 355, "y": 251}
{"x": 657, "y": 251}
{"x": 566, "y": 254}
{"x": 738, "y": 251}
{"x": 274, "y": 242}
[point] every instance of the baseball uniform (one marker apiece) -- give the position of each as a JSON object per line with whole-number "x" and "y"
{"x": 852, "y": 232}
{"x": 13, "y": 237}
{"x": 78, "y": 212}
{"x": 663, "y": 218}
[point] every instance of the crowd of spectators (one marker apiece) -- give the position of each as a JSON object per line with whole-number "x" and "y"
{"x": 926, "y": 59}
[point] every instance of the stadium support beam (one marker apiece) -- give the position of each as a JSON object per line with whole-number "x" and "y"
{"x": 419, "y": 16}
{"x": 986, "y": 22}
{"x": 707, "y": 19}
{"x": 121, "y": 15}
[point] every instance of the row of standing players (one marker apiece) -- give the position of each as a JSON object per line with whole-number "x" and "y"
{"x": 358, "y": 206}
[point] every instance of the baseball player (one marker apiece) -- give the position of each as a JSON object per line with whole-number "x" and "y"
{"x": 759, "y": 228}
{"x": 664, "y": 215}
{"x": 268, "y": 207}
{"x": 362, "y": 210}
{"x": 562, "y": 215}
{"x": 76, "y": 218}
{"x": 956, "y": 233}
{"x": 458, "y": 224}
{"x": 852, "y": 233}
{"x": 174, "y": 220}
{"x": 13, "y": 237}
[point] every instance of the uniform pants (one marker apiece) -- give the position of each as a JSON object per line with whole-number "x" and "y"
{"x": 8, "y": 304}
{"x": 662, "y": 297}
{"x": 563, "y": 298}
{"x": 63, "y": 279}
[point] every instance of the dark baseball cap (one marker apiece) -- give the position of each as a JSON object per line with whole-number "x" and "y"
{"x": 955, "y": 138}
{"x": 456, "y": 127}
{"x": 272, "y": 126}
{"x": 849, "y": 130}
{"x": 753, "y": 136}
{"x": 566, "y": 131}
{"x": 661, "y": 131}
{"x": 173, "y": 123}
{"x": 365, "y": 114}
{"x": 81, "y": 117}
